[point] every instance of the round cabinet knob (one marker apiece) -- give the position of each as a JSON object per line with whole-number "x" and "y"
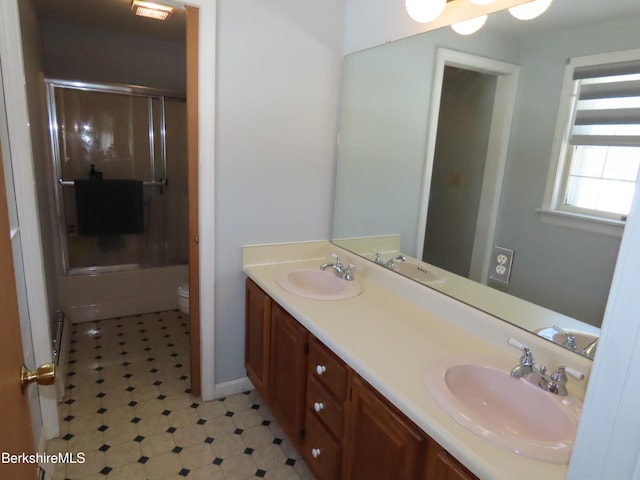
{"x": 318, "y": 406}
{"x": 315, "y": 452}
{"x": 321, "y": 369}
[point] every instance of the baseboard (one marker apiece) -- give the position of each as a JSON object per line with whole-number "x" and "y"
{"x": 232, "y": 387}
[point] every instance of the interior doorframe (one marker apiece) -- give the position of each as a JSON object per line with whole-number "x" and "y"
{"x": 500, "y": 130}
{"x": 11, "y": 62}
{"x": 207, "y": 22}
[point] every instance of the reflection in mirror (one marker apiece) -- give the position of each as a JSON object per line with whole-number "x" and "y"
{"x": 389, "y": 176}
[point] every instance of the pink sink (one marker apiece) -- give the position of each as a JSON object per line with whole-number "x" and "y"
{"x": 509, "y": 412}
{"x": 582, "y": 339}
{"x": 318, "y": 284}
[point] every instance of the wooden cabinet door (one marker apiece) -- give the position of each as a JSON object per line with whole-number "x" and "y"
{"x": 442, "y": 466}
{"x": 289, "y": 342}
{"x": 257, "y": 337}
{"x": 380, "y": 443}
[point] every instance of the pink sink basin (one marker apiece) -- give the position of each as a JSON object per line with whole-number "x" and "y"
{"x": 582, "y": 339}
{"x": 318, "y": 284}
{"x": 509, "y": 412}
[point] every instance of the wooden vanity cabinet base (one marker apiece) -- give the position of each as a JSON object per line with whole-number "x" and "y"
{"x": 288, "y": 370}
{"x": 381, "y": 444}
{"x": 327, "y": 385}
{"x": 342, "y": 426}
{"x": 441, "y": 465}
{"x": 257, "y": 337}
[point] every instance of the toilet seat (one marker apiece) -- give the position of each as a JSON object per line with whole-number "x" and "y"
{"x": 183, "y": 298}
{"x": 183, "y": 290}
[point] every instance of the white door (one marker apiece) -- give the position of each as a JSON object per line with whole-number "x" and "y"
{"x": 23, "y": 218}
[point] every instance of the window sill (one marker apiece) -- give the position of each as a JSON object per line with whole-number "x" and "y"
{"x": 613, "y": 228}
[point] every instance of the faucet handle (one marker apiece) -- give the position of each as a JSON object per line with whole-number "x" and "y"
{"x": 577, "y": 374}
{"x": 515, "y": 343}
{"x": 348, "y": 272}
{"x": 556, "y": 382}
{"x": 527, "y": 357}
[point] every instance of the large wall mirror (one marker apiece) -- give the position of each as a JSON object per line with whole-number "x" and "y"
{"x": 409, "y": 104}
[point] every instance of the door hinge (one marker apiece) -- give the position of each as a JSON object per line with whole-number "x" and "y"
{"x": 303, "y": 432}
{"x": 306, "y": 348}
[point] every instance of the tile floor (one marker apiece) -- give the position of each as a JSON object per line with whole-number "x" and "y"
{"x": 128, "y": 407}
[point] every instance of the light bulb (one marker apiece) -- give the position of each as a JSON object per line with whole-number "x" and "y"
{"x": 469, "y": 26}
{"x": 481, "y": 2}
{"x": 530, "y": 10}
{"x": 425, "y": 11}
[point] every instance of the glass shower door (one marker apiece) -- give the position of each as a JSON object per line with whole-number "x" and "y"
{"x": 104, "y": 138}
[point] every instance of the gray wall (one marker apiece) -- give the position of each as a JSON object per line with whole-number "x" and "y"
{"x": 279, "y": 65}
{"x": 90, "y": 54}
{"x": 464, "y": 121}
{"x": 385, "y": 107}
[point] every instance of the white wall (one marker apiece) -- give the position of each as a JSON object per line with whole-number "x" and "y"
{"x": 279, "y": 65}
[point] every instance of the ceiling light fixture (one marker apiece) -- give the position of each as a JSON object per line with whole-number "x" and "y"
{"x": 425, "y": 11}
{"x": 469, "y": 26}
{"x": 151, "y": 10}
{"x": 530, "y": 10}
{"x": 481, "y": 2}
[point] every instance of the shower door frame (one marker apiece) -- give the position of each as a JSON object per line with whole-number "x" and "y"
{"x": 59, "y": 183}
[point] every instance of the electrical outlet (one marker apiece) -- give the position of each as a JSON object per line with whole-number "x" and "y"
{"x": 501, "y": 262}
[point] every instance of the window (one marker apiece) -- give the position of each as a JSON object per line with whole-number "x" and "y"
{"x": 599, "y": 157}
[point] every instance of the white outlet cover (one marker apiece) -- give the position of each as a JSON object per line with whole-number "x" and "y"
{"x": 501, "y": 262}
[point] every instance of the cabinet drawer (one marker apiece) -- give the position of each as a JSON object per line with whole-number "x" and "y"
{"x": 323, "y": 454}
{"x": 327, "y": 368}
{"x": 324, "y": 406}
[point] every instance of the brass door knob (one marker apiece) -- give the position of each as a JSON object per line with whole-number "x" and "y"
{"x": 44, "y": 375}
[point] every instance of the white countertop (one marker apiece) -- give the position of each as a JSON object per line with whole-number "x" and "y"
{"x": 388, "y": 340}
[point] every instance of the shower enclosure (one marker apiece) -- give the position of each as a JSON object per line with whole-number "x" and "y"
{"x": 129, "y": 142}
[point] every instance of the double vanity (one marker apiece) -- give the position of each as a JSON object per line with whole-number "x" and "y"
{"x": 376, "y": 377}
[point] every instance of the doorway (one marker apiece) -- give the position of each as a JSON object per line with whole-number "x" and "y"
{"x": 462, "y": 138}
{"x": 133, "y": 52}
{"x": 17, "y": 117}
{"x": 467, "y": 141}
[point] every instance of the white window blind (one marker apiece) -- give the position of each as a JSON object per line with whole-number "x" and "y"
{"x": 604, "y": 139}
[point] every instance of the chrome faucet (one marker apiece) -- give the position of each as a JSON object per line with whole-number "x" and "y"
{"x": 345, "y": 273}
{"x": 570, "y": 339}
{"x": 526, "y": 365}
{"x": 555, "y": 383}
{"x": 390, "y": 263}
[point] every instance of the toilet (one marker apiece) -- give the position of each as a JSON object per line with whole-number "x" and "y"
{"x": 183, "y": 298}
